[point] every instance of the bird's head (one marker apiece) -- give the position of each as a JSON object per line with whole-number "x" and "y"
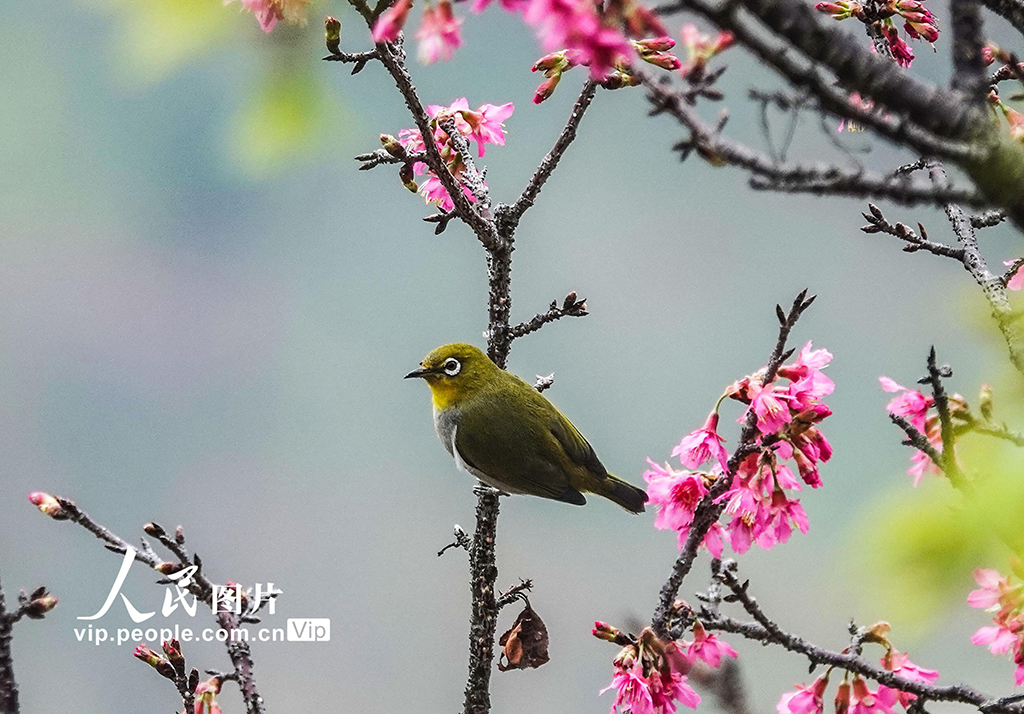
{"x": 453, "y": 372}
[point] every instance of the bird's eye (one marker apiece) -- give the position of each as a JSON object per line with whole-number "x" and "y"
{"x": 452, "y": 366}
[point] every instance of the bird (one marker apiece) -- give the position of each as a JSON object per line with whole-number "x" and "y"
{"x": 509, "y": 436}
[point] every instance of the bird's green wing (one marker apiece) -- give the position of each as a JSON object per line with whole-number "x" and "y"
{"x": 576, "y": 447}
{"x": 512, "y": 442}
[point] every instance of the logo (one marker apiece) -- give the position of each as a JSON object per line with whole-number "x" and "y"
{"x": 309, "y": 629}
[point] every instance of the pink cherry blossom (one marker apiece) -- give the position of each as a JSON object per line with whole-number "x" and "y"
{"x": 675, "y": 493}
{"x": 993, "y": 587}
{"x": 708, "y": 648}
{"x": 1016, "y": 282}
{"x": 713, "y": 539}
{"x": 810, "y": 383}
{"x": 999, "y": 639}
{"x": 439, "y": 34}
{"x": 768, "y": 403}
{"x": 865, "y": 701}
{"x": 575, "y": 24}
{"x": 783, "y": 514}
{"x": 804, "y": 700}
{"x": 899, "y": 663}
{"x": 391, "y": 21}
{"x": 632, "y": 691}
{"x": 702, "y": 445}
{"x": 909, "y": 403}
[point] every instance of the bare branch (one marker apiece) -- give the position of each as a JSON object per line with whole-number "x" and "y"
{"x": 770, "y": 174}
{"x": 878, "y": 224}
{"x": 571, "y": 306}
{"x": 767, "y": 631}
{"x": 201, "y": 587}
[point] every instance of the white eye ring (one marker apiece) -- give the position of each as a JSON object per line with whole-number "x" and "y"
{"x": 452, "y": 366}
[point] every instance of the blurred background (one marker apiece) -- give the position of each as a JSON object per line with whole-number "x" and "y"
{"x": 206, "y": 312}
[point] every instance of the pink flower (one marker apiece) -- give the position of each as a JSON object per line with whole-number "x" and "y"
{"x": 999, "y": 639}
{"x": 632, "y": 690}
{"x": 575, "y": 24}
{"x": 804, "y": 700}
{"x": 899, "y": 663}
{"x": 865, "y": 701}
{"x": 391, "y": 21}
{"x": 767, "y": 403}
{"x": 993, "y": 588}
{"x": 487, "y": 124}
{"x": 707, "y": 647}
{"x": 701, "y": 48}
{"x": 434, "y": 192}
{"x": 808, "y": 366}
{"x": 782, "y": 512}
{"x": 900, "y": 50}
{"x": 206, "y": 697}
{"x": 676, "y": 493}
{"x": 909, "y": 403}
{"x": 268, "y": 12}
{"x": 665, "y": 691}
{"x": 839, "y": 10}
{"x": 439, "y": 33}
{"x": 1016, "y": 281}
{"x": 702, "y": 445}
{"x": 713, "y": 539}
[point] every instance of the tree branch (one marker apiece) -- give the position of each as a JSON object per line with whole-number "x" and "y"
{"x": 767, "y": 631}
{"x": 201, "y": 587}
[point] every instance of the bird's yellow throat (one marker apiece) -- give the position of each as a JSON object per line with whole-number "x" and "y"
{"x": 444, "y": 393}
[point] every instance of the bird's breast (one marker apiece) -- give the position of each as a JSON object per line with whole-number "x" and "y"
{"x": 446, "y": 421}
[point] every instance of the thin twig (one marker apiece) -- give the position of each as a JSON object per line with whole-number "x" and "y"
{"x": 200, "y": 586}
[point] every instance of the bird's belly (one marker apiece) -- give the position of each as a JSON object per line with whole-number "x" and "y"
{"x": 446, "y": 423}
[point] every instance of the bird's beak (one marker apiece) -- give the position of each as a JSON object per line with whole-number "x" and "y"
{"x": 419, "y": 373}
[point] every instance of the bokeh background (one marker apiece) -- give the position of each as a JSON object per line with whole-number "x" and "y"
{"x": 206, "y": 312}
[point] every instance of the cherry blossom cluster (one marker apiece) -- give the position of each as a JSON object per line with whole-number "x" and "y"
{"x": 758, "y": 503}
{"x": 700, "y": 48}
{"x": 854, "y": 696}
{"x": 650, "y": 675}
{"x": 599, "y": 36}
{"x": 269, "y": 12}
{"x": 919, "y": 409}
{"x": 1002, "y": 596}
{"x": 485, "y": 125}
{"x": 918, "y": 22}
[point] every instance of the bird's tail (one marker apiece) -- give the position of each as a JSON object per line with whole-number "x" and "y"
{"x": 625, "y": 494}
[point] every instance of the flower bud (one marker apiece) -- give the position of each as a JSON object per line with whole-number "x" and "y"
{"x": 332, "y": 34}
{"x": 547, "y": 87}
{"x": 551, "y": 62}
{"x": 154, "y": 660}
{"x": 167, "y": 568}
{"x": 393, "y": 146}
{"x": 407, "y": 177}
{"x": 663, "y": 60}
{"x": 843, "y": 698}
{"x": 40, "y": 604}
{"x": 48, "y": 505}
{"x": 656, "y": 44}
{"x": 172, "y": 650}
{"x": 604, "y": 631}
{"x": 153, "y": 529}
